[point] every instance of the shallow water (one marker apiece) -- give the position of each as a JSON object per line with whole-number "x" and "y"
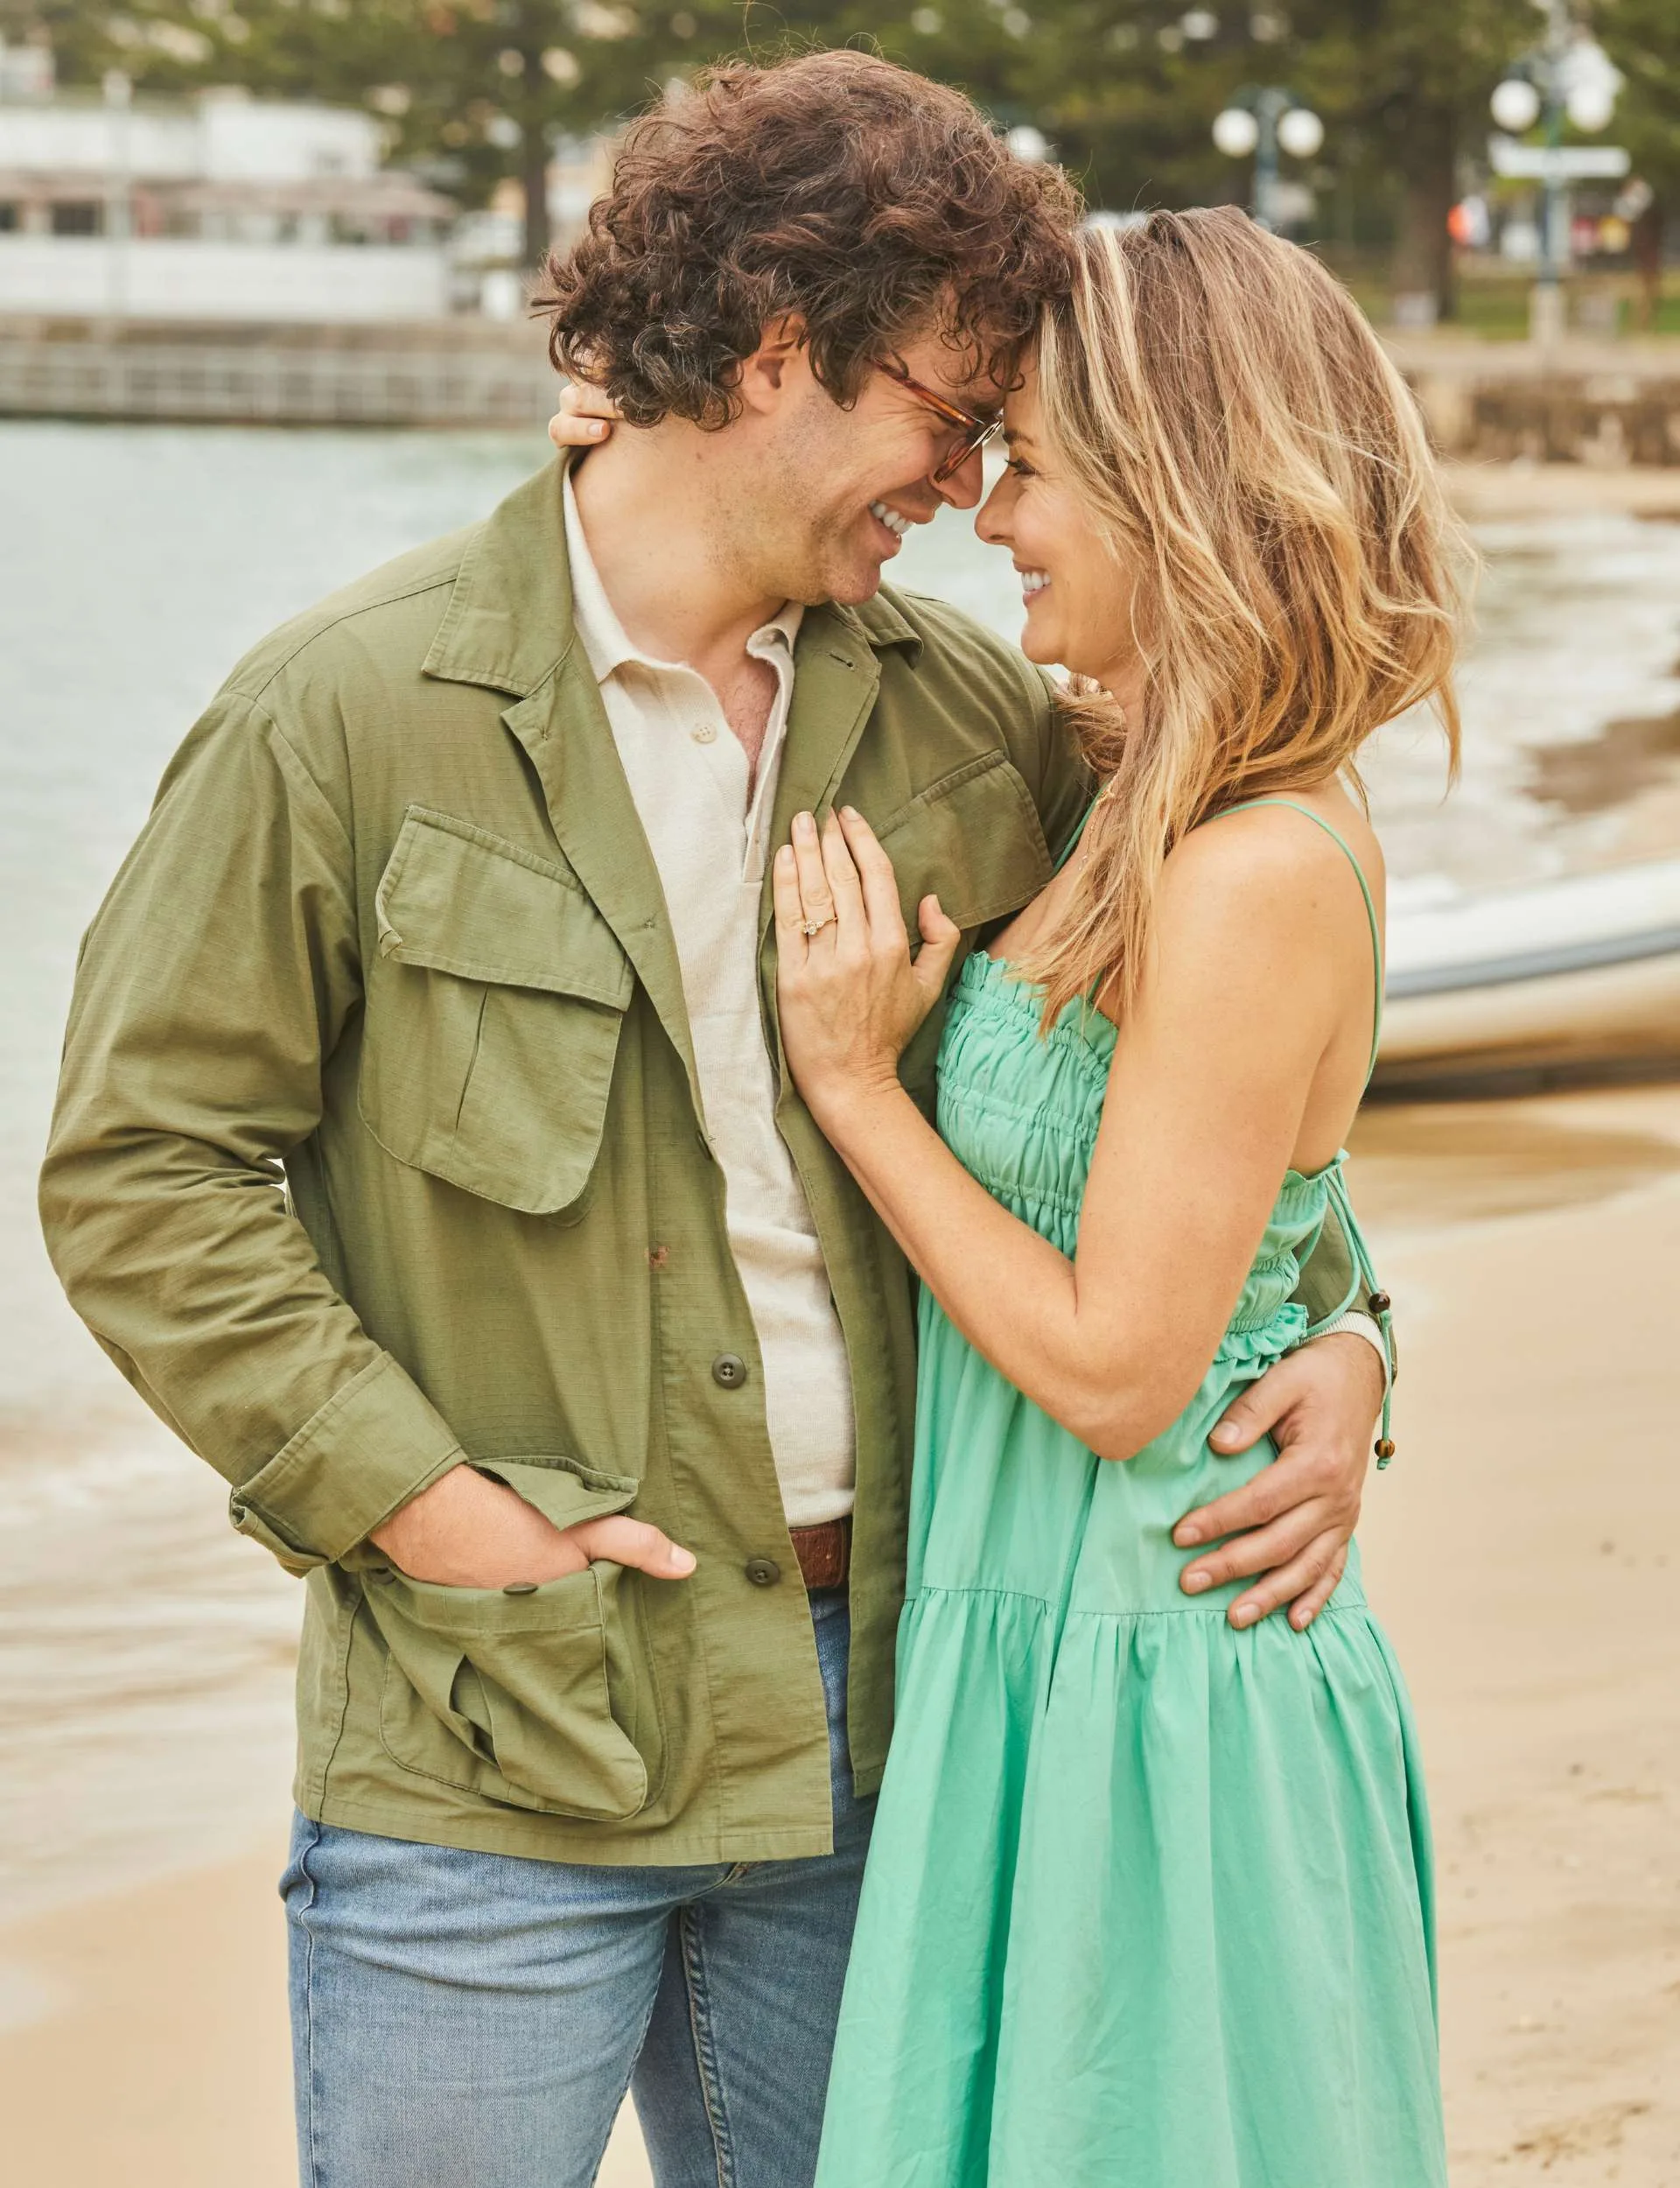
{"x": 1568, "y": 694}
{"x": 145, "y": 1699}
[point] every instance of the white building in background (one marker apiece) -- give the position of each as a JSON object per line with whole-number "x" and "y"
{"x": 489, "y": 246}
{"x": 217, "y": 208}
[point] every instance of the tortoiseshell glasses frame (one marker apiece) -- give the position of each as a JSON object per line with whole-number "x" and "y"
{"x": 976, "y": 432}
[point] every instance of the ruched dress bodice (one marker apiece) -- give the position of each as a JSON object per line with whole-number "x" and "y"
{"x": 1020, "y": 1109}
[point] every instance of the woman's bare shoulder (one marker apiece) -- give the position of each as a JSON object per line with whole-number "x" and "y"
{"x": 1254, "y": 898}
{"x": 1256, "y": 851}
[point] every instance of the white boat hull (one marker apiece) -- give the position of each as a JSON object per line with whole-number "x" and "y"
{"x": 1579, "y": 975}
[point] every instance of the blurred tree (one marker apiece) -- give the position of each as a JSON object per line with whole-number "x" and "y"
{"x": 1642, "y": 38}
{"x": 1127, "y": 94}
{"x": 75, "y": 31}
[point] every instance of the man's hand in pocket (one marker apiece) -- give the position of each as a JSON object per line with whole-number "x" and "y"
{"x": 466, "y": 1531}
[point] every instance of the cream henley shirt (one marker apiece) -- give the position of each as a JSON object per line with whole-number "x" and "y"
{"x": 707, "y": 823}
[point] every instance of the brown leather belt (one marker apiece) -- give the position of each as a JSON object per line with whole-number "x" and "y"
{"x": 824, "y": 1552}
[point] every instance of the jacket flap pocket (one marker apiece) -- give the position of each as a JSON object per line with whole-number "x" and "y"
{"x": 561, "y": 1489}
{"x": 510, "y": 1694}
{"x": 494, "y": 1010}
{"x": 456, "y": 899}
{"x": 974, "y": 837}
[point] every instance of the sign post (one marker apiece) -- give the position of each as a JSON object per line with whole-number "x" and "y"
{"x": 1556, "y": 163}
{"x": 1554, "y": 167}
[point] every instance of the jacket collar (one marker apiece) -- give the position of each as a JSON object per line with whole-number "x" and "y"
{"x": 879, "y": 624}
{"x": 508, "y": 624}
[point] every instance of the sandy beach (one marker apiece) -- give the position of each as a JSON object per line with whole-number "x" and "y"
{"x": 143, "y": 2040}
{"x": 1523, "y": 1550}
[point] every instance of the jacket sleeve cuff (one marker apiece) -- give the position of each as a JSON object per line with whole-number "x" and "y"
{"x": 1356, "y": 1324}
{"x": 375, "y": 1443}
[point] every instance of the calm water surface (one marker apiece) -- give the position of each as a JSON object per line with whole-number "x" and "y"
{"x": 145, "y": 1707}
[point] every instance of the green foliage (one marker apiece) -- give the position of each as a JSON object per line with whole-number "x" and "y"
{"x": 1642, "y": 38}
{"x": 1126, "y": 99}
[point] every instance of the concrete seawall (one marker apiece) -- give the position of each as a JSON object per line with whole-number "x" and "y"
{"x": 1603, "y": 404}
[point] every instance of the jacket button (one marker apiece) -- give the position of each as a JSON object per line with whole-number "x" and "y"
{"x": 1381, "y": 1303}
{"x": 520, "y": 1588}
{"x": 729, "y": 1370}
{"x": 763, "y": 1571}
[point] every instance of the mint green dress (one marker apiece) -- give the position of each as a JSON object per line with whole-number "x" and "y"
{"x": 1148, "y": 1903}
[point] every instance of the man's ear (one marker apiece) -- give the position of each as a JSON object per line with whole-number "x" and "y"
{"x": 779, "y": 363}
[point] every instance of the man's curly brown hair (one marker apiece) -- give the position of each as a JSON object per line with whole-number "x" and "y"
{"x": 874, "y": 204}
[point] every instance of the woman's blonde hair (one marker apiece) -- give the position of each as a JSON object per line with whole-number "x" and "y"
{"x": 1220, "y": 405}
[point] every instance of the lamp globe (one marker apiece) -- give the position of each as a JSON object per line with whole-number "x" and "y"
{"x": 1301, "y": 132}
{"x": 1515, "y": 104}
{"x": 1236, "y": 132}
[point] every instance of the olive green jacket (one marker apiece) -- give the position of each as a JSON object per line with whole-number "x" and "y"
{"x": 379, "y": 1147}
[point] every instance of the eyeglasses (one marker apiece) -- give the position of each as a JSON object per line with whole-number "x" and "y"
{"x": 976, "y": 432}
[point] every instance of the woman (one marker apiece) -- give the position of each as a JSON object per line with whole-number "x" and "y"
{"x": 1149, "y": 1899}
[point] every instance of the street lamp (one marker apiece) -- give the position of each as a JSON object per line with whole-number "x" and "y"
{"x": 1265, "y": 121}
{"x": 1568, "y": 74}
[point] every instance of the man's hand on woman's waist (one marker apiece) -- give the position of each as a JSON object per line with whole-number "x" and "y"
{"x": 1290, "y": 1524}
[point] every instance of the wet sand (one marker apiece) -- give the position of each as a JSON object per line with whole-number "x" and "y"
{"x": 1524, "y": 1549}
{"x": 143, "y": 2040}
{"x": 1497, "y": 490}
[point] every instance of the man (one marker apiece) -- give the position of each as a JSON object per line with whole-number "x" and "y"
{"x": 572, "y": 1369}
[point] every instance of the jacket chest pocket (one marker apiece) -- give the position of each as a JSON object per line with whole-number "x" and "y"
{"x": 494, "y": 1009}
{"x": 974, "y": 838}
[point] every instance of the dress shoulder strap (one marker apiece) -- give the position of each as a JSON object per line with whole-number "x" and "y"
{"x": 1067, "y": 850}
{"x": 1341, "y": 841}
{"x": 1072, "y": 842}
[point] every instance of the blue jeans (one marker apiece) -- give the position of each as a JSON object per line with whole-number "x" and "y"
{"x": 465, "y": 2020}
